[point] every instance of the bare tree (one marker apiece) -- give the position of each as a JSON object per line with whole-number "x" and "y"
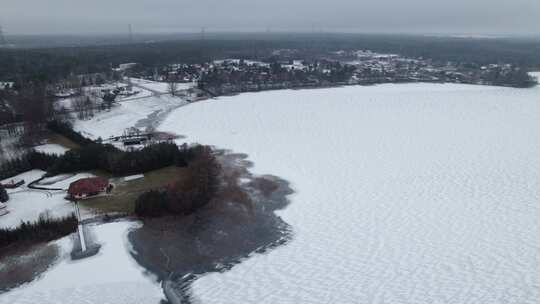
{"x": 129, "y": 84}
{"x": 108, "y": 100}
{"x": 89, "y": 106}
{"x": 172, "y": 86}
{"x": 78, "y": 106}
{"x": 36, "y": 105}
{"x": 84, "y": 106}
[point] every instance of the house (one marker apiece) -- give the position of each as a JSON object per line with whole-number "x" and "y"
{"x": 87, "y": 187}
{"x": 125, "y": 66}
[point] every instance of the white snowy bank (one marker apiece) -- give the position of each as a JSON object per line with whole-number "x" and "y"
{"x": 110, "y": 277}
{"x": 51, "y": 149}
{"x": 125, "y": 115}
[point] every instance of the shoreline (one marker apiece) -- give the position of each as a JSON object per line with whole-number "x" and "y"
{"x": 238, "y": 223}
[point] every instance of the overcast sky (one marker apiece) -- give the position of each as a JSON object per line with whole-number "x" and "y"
{"x": 415, "y": 16}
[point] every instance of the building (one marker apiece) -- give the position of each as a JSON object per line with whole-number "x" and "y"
{"x": 125, "y": 66}
{"x": 87, "y": 187}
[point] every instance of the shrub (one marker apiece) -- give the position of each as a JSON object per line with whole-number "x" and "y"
{"x": 194, "y": 191}
{"x": 198, "y": 187}
{"x": 151, "y": 204}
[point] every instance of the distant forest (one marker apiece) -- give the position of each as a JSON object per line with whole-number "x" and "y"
{"x": 51, "y": 64}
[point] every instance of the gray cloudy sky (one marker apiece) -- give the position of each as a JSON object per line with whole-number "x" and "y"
{"x": 420, "y": 16}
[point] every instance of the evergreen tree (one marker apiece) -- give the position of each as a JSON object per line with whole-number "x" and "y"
{"x": 4, "y": 197}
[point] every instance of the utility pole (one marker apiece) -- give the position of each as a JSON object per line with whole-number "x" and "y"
{"x": 203, "y": 33}
{"x": 202, "y": 44}
{"x": 3, "y": 41}
{"x": 130, "y": 34}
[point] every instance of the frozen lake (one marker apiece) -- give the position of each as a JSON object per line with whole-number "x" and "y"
{"x": 415, "y": 193}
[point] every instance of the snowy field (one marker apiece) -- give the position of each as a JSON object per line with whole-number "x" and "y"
{"x": 51, "y": 149}
{"x": 110, "y": 277}
{"x": 414, "y": 193}
{"x": 27, "y": 204}
{"x": 159, "y": 87}
{"x": 125, "y": 115}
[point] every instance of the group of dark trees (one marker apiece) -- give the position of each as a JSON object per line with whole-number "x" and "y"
{"x": 514, "y": 78}
{"x": 188, "y": 194}
{"x": 65, "y": 129}
{"x": 27, "y": 161}
{"x": 31, "y": 104}
{"x": 43, "y": 230}
{"x": 98, "y": 156}
{"x": 117, "y": 162}
{"x": 4, "y": 197}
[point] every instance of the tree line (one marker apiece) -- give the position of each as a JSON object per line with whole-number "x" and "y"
{"x": 51, "y": 65}
{"x": 45, "y": 229}
{"x": 28, "y": 161}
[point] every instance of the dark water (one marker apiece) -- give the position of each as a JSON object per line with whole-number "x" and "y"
{"x": 240, "y": 222}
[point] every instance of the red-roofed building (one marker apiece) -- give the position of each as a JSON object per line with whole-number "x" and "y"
{"x": 87, "y": 187}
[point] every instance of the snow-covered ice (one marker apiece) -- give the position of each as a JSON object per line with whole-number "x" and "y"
{"x": 413, "y": 193}
{"x": 110, "y": 277}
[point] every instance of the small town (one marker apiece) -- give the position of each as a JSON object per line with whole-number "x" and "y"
{"x": 227, "y": 76}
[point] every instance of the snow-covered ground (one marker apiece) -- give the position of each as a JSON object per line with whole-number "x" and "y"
{"x": 110, "y": 277}
{"x": 413, "y": 193}
{"x": 125, "y": 115}
{"x": 96, "y": 91}
{"x": 160, "y": 87}
{"x": 27, "y": 204}
{"x": 51, "y": 149}
{"x": 63, "y": 181}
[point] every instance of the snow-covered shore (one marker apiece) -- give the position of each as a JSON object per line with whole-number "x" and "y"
{"x": 414, "y": 193}
{"x": 139, "y": 113}
{"x": 110, "y": 277}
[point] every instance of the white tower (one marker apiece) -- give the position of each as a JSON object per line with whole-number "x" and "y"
{"x": 130, "y": 29}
